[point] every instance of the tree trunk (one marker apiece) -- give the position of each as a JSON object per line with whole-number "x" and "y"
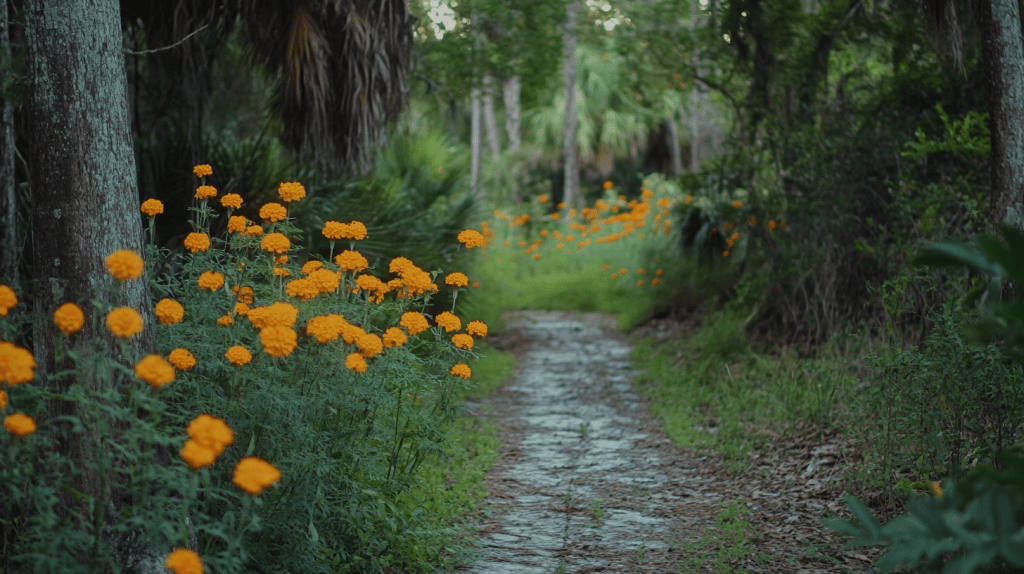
{"x": 571, "y": 186}
{"x": 9, "y": 253}
{"x": 84, "y": 198}
{"x": 672, "y": 133}
{"x": 490, "y": 121}
{"x": 510, "y": 95}
{"x": 1003, "y": 59}
{"x": 475, "y": 143}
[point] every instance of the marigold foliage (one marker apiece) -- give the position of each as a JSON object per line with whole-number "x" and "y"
{"x": 152, "y": 207}
{"x": 17, "y": 365}
{"x": 202, "y": 170}
{"x": 124, "y": 322}
{"x": 182, "y": 560}
{"x": 69, "y": 318}
{"x": 169, "y": 311}
{"x": 205, "y": 192}
{"x": 462, "y": 341}
{"x": 351, "y": 261}
{"x": 291, "y": 191}
{"x": 210, "y": 280}
{"x": 275, "y": 243}
{"x": 273, "y": 212}
{"x": 456, "y": 280}
{"x": 278, "y": 341}
{"x": 471, "y": 238}
{"x": 19, "y": 425}
{"x": 181, "y": 359}
{"x": 448, "y": 321}
{"x": 414, "y": 322}
{"x": 7, "y": 299}
{"x": 477, "y": 328}
{"x": 238, "y": 355}
{"x": 355, "y": 362}
{"x": 462, "y": 371}
{"x": 253, "y": 475}
{"x": 394, "y": 337}
{"x": 125, "y": 265}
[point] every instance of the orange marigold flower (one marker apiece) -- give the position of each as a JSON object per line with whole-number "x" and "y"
{"x": 725, "y": 253}
{"x": 169, "y": 312}
{"x": 542, "y": 199}
{"x": 414, "y": 322}
{"x": 238, "y": 355}
{"x": 737, "y": 204}
{"x": 394, "y": 337}
{"x": 448, "y": 321}
{"x": 152, "y": 207}
{"x": 355, "y": 362}
{"x": 210, "y": 432}
{"x": 253, "y": 475}
{"x": 124, "y": 322}
{"x": 182, "y": 560}
{"x": 273, "y": 212}
{"x": 291, "y": 191}
{"x": 275, "y": 243}
{"x": 462, "y": 341}
{"x": 236, "y": 224}
{"x": 456, "y": 280}
{"x": 17, "y": 365}
{"x": 19, "y": 425}
{"x": 417, "y": 281}
{"x": 196, "y": 455}
{"x": 3, "y": 400}
{"x": 655, "y": 281}
{"x": 210, "y": 280}
{"x": 623, "y": 271}
{"x": 154, "y": 370}
{"x": 325, "y": 280}
{"x": 477, "y": 328}
{"x": 241, "y": 309}
{"x": 181, "y": 359}
{"x": 326, "y": 327}
{"x": 351, "y": 261}
{"x": 281, "y": 272}
{"x": 536, "y": 256}
{"x": 196, "y": 242}
{"x": 254, "y": 230}
{"x": 471, "y": 238}
{"x": 659, "y": 272}
{"x": 476, "y": 284}
{"x": 369, "y": 345}
{"x": 614, "y": 276}
{"x": 278, "y": 341}
{"x": 303, "y": 288}
{"x": 461, "y": 370}
{"x": 225, "y": 320}
{"x": 244, "y": 294}
{"x": 202, "y": 170}
{"x": 350, "y": 333}
{"x": 640, "y": 283}
{"x": 205, "y": 192}
{"x": 275, "y": 315}
{"x": 772, "y": 225}
{"x": 608, "y": 185}
{"x": 356, "y": 230}
{"x": 311, "y": 266}
{"x": 334, "y": 230}
{"x": 231, "y": 200}
{"x": 125, "y": 265}
{"x": 69, "y": 318}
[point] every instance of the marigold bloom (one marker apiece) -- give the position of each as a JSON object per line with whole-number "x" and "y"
{"x": 737, "y": 204}
{"x": 461, "y": 370}
{"x": 276, "y": 315}
{"x": 414, "y": 322}
{"x": 448, "y": 321}
{"x": 325, "y": 280}
{"x": 476, "y": 284}
{"x": 273, "y": 212}
{"x": 244, "y": 294}
{"x": 375, "y": 288}
{"x": 154, "y": 370}
{"x": 936, "y": 489}
{"x": 655, "y": 282}
{"x": 291, "y": 191}
{"x": 19, "y": 425}
{"x": 400, "y": 265}
{"x": 210, "y": 432}
{"x": 231, "y": 200}
{"x": 181, "y": 359}
{"x": 238, "y": 355}
{"x": 536, "y": 256}
{"x": 281, "y": 259}
{"x": 253, "y": 475}
{"x": 356, "y": 230}
{"x": 471, "y": 238}
{"x": 241, "y": 309}
{"x": 326, "y": 327}
{"x": 640, "y": 283}
{"x": 278, "y": 341}
{"x": 124, "y": 265}
{"x": 236, "y": 224}
{"x": 254, "y": 230}
{"x": 202, "y": 170}
{"x": 417, "y": 281}
{"x": 124, "y": 322}
{"x": 772, "y": 225}
{"x": 350, "y": 333}
{"x": 311, "y": 266}
{"x": 477, "y": 328}
{"x": 210, "y": 280}
{"x": 355, "y": 362}
{"x": 275, "y": 243}
{"x": 394, "y": 337}
{"x": 169, "y": 312}
{"x": 369, "y": 345}
{"x": 303, "y": 289}
{"x": 335, "y": 230}
{"x": 152, "y": 207}
{"x": 196, "y": 455}
{"x": 462, "y": 341}
{"x": 608, "y": 185}
{"x": 3, "y": 400}
{"x": 69, "y": 318}
{"x": 17, "y": 365}
{"x": 182, "y": 560}
{"x": 351, "y": 261}
{"x": 281, "y": 272}
{"x": 225, "y": 320}
{"x": 542, "y": 199}
{"x": 456, "y": 280}
{"x": 205, "y": 192}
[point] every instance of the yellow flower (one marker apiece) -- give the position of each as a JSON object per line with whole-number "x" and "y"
{"x": 394, "y": 337}
{"x": 273, "y": 212}
{"x": 688, "y": 199}
{"x": 536, "y": 256}
{"x": 417, "y": 281}
{"x": 356, "y": 230}
{"x": 154, "y": 370}
{"x": 355, "y": 362}
{"x": 19, "y": 425}
{"x": 640, "y": 283}
{"x": 608, "y": 185}
{"x": 254, "y": 231}
{"x": 241, "y": 309}
{"x": 169, "y": 312}
{"x": 291, "y": 191}
{"x": 326, "y": 281}
{"x": 210, "y": 280}
{"x": 456, "y": 280}
{"x": 125, "y": 265}
{"x": 471, "y": 238}
{"x": 196, "y": 242}
{"x": 281, "y": 272}
{"x": 448, "y": 321}
{"x": 205, "y": 192}
{"x": 326, "y": 327}
{"x": 231, "y": 201}
{"x": 124, "y": 322}
{"x": 311, "y": 266}
{"x": 369, "y": 345}
{"x": 399, "y": 265}
{"x": 542, "y": 199}
{"x": 238, "y": 355}
{"x": 17, "y": 365}
{"x": 461, "y": 370}
{"x": 202, "y": 170}
{"x": 253, "y": 475}
{"x": 210, "y": 432}
{"x": 414, "y": 322}
{"x": 477, "y": 328}
{"x": 69, "y": 318}
{"x": 196, "y": 455}
{"x": 225, "y": 320}
{"x": 244, "y": 294}
{"x": 278, "y": 341}
{"x": 275, "y": 315}
{"x": 737, "y": 204}
{"x": 351, "y": 261}
{"x": 152, "y": 207}
{"x": 236, "y": 224}
{"x": 181, "y": 359}
{"x": 182, "y": 560}
{"x": 3, "y": 400}
{"x": 334, "y": 230}
{"x": 304, "y": 289}
{"x": 462, "y": 341}
{"x": 936, "y": 489}
{"x": 350, "y": 333}
{"x": 655, "y": 282}
{"x": 275, "y": 243}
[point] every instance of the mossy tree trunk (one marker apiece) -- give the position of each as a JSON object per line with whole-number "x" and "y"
{"x": 9, "y": 255}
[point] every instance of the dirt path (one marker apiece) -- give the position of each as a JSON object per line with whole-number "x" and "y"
{"x": 587, "y": 482}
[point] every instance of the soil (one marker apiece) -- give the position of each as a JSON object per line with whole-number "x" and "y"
{"x": 587, "y": 481}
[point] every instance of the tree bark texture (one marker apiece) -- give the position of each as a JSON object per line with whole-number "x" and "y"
{"x": 1003, "y": 60}
{"x": 9, "y": 255}
{"x": 513, "y": 112}
{"x": 490, "y": 120}
{"x": 475, "y": 142}
{"x": 571, "y": 186}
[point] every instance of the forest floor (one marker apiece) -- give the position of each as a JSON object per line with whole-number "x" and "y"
{"x": 586, "y": 480}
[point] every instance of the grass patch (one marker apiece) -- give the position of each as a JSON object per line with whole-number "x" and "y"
{"x": 727, "y": 547}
